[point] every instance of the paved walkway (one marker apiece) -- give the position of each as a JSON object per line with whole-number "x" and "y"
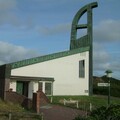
{"x": 56, "y": 112}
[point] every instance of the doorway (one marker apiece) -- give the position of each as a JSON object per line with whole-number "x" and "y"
{"x": 22, "y": 88}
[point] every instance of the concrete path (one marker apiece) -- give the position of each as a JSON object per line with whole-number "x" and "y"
{"x": 56, "y": 112}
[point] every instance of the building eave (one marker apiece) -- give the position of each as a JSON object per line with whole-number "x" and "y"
{"x": 44, "y": 58}
{"x": 29, "y": 78}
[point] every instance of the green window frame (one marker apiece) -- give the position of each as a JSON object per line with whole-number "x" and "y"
{"x": 48, "y": 88}
{"x": 82, "y": 68}
{"x": 41, "y": 86}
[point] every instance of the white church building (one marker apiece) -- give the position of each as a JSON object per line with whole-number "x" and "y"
{"x": 63, "y": 73}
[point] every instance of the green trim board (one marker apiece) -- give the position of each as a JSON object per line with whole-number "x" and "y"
{"x": 29, "y": 78}
{"x": 35, "y": 60}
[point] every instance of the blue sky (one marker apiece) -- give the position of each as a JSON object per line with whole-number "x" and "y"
{"x": 30, "y": 28}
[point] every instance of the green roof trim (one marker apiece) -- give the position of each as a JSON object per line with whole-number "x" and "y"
{"x": 35, "y": 60}
{"x": 29, "y": 78}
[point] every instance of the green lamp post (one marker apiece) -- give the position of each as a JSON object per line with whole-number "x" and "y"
{"x": 109, "y": 75}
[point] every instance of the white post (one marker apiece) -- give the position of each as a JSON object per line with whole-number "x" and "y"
{"x": 44, "y": 87}
{"x": 90, "y": 107}
{"x": 51, "y": 99}
{"x": 10, "y": 116}
{"x": 77, "y": 105}
{"x": 64, "y": 102}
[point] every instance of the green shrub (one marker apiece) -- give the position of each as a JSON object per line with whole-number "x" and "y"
{"x": 80, "y": 118}
{"x": 107, "y": 113}
{"x": 103, "y": 113}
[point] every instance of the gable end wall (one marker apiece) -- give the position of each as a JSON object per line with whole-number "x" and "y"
{"x": 64, "y": 70}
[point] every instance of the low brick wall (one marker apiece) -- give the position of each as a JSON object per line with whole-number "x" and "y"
{"x": 18, "y": 99}
{"x": 39, "y": 99}
{"x": 43, "y": 99}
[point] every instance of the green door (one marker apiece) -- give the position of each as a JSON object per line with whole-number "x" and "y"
{"x": 19, "y": 88}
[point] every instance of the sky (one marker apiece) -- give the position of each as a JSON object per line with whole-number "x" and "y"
{"x": 30, "y": 28}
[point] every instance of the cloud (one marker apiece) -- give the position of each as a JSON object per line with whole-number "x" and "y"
{"x": 6, "y": 5}
{"x": 10, "y": 14}
{"x": 107, "y": 30}
{"x": 58, "y": 29}
{"x": 11, "y": 53}
{"x": 106, "y": 51}
{"x": 7, "y": 12}
{"x": 103, "y": 60}
{"x": 101, "y": 57}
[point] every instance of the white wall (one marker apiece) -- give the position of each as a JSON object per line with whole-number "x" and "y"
{"x": 32, "y": 87}
{"x": 64, "y": 70}
{"x": 30, "y": 90}
{"x": 13, "y": 85}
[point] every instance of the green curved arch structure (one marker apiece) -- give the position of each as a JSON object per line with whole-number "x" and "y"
{"x": 86, "y": 40}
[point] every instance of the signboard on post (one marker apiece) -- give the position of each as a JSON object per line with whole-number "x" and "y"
{"x": 103, "y": 84}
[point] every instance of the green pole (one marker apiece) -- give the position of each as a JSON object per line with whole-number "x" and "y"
{"x": 109, "y": 92}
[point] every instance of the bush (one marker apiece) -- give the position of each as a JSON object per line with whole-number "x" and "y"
{"x": 103, "y": 113}
{"x": 80, "y": 118}
{"x": 107, "y": 113}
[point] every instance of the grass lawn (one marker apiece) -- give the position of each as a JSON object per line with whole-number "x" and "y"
{"x": 10, "y": 107}
{"x": 16, "y": 111}
{"x": 84, "y": 101}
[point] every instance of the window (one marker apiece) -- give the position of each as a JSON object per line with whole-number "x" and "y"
{"x": 48, "y": 88}
{"x": 82, "y": 68}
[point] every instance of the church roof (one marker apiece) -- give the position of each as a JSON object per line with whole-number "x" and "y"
{"x": 44, "y": 58}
